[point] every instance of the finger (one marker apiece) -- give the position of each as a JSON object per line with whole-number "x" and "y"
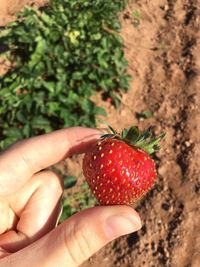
{"x": 37, "y": 205}
{"x": 25, "y": 158}
{"x": 74, "y": 241}
{"x": 3, "y": 253}
{"x": 8, "y": 217}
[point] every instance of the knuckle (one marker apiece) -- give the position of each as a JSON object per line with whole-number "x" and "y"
{"x": 81, "y": 235}
{"x": 21, "y": 152}
{"x": 78, "y": 244}
{"x": 54, "y": 181}
{"x": 4, "y": 211}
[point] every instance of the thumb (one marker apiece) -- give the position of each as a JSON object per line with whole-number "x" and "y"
{"x": 78, "y": 238}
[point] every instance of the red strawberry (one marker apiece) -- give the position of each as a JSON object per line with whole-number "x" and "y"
{"x": 118, "y": 168}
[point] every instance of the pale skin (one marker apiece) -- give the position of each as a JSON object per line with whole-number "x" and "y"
{"x": 30, "y": 203}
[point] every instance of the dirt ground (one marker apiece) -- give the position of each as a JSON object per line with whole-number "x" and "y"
{"x": 8, "y": 8}
{"x": 162, "y": 50}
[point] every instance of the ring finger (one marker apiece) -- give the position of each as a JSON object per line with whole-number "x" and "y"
{"x": 37, "y": 205}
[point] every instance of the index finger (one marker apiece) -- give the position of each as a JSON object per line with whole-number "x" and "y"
{"x": 22, "y": 160}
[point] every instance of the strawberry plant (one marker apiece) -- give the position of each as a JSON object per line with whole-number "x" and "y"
{"x": 78, "y": 201}
{"x": 119, "y": 169}
{"x": 61, "y": 56}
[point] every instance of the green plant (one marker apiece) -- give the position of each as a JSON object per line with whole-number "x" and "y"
{"x": 61, "y": 55}
{"x": 136, "y": 18}
{"x": 73, "y": 203}
{"x": 146, "y": 114}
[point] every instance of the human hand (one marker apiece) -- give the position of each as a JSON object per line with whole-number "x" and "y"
{"x": 30, "y": 205}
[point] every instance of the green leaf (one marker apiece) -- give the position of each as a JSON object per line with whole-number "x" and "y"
{"x": 21, "y": 117}
{"x": 13, "y": 132}
{"x": 92, "y": 76}
{"x": 102, "y": 61}
{"x": 5, "y": 92}
{"x": 112, "y": 130}
{"x": 63, "y": 55}
{"x": 96, "y": 37}
{"x": 77, "y": 75}
{"x": 136, "y": 18}
{"x": 100, "y": 111}
{"x": 53, "y": 107}
{"x": 124, "y": 133}
{"x": 147, "y": 114}
{"x": 50, "y": 86}
{"x": 123, "y": 83}
{"x": 136, "y": 14}
{"x": 69, "y": 181}
{"x": 132, "y": 134}
{"x": 26, "y": 130}
{"x": 39, "y": 122}
{"x": 54, "y": 36}
{"x": 66, "y": 212}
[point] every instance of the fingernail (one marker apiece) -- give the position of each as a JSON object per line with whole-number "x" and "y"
{"x": 118, "y": 225}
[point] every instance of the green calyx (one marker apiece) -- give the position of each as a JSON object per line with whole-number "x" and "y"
{"x": 143, "y": 140}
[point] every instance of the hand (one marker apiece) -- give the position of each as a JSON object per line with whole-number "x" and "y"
{"x": 30, "y": 205}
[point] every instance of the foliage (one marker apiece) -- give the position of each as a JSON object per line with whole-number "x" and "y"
{"x": 136, "y": 18}
{"x": 77, "y": 194}
{"x": 73, "y": 203}
{"x": 62, "y": 55}
{"x": 147, "y": 114}
{"x": 69, "y": 181}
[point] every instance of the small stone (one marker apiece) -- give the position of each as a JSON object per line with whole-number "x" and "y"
{"x": 188, "y": 143}
{"x": 166, "y": 7}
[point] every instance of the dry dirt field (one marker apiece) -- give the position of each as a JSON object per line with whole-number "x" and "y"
{"x": 164, "y": 61}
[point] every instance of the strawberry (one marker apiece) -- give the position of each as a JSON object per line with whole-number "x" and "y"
{"x": 118, "y": 167}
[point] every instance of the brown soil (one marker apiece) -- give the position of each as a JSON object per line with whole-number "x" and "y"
{"x": 163, "y": 60}
{"x": 8, "y": 8}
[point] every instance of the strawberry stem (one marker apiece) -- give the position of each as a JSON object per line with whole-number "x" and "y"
{"x": 145, "y": 140}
